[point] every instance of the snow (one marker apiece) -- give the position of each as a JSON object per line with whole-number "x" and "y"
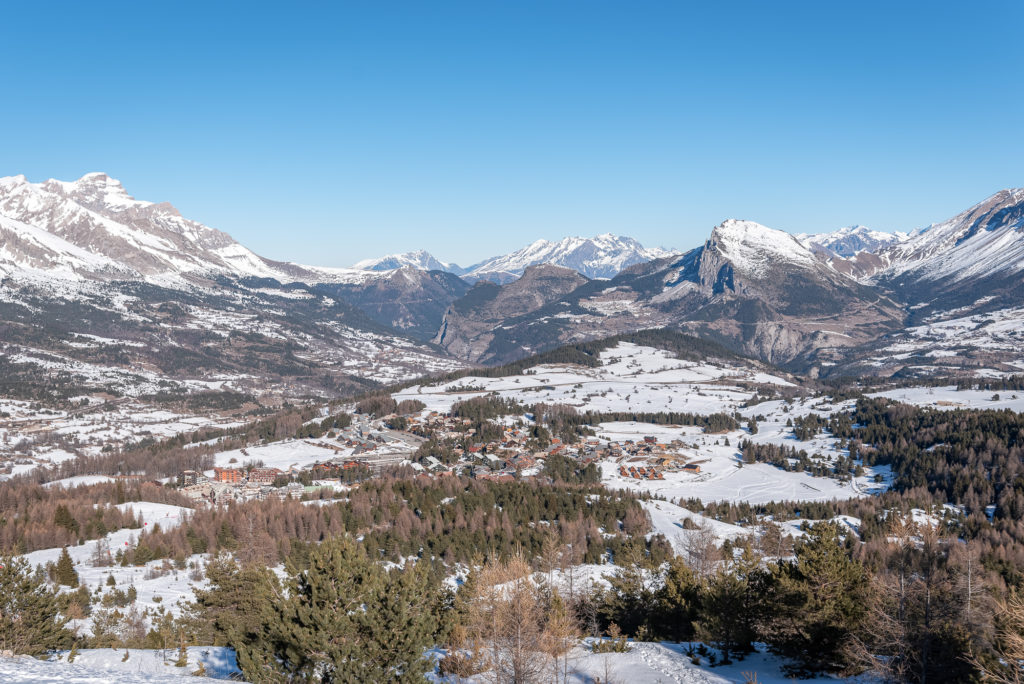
{"x": 658, "y": 663}
{"x": 754, "y": 249}
{"x": 637, "y": 378}
{"x": 848, "y": 242}
{"x": 603, "y": 256}
{"x": 100, "y": 666}
{"x": 957, "y": 250}
{"x": 420, "y": 259}
{"x": 667, "y": 519}
{"x": 630, "y": 378}
{"x": 949, "y": 398}
{"x": 79, "y": 480}
{"x": 285, "y": 455}
{"x": 644, "y": 663}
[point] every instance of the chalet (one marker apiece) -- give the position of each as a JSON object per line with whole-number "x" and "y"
{"x": 650, "y": 440}
{"x": 691, "y": 468}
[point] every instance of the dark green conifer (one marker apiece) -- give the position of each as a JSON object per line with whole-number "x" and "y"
{"x": 29, "y": 619}
{"x": 346, "y": 619}
{"x": 66, "y": 573}
{"x": 818, "y": 603}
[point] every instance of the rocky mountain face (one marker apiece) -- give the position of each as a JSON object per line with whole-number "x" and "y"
{"x": 98, "y": 289}
{"x": 759, "y": 291}
{"x": 475, "y": 327}
{"x": 962, "y": 284}
{"x": 93, "y": 229}
{"x": 408, "y": 299}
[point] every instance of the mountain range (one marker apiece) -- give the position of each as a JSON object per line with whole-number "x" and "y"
{"x": 187, "y": 303}
{"x": 603, "y": 256}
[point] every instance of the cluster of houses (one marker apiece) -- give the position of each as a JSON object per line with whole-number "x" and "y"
{"x": 367, "y": 449}
{"x": 508, "y": 458}
{"x": 238, "y": 484}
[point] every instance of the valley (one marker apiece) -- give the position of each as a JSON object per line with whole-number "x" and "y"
{"x": 179, "y": 415}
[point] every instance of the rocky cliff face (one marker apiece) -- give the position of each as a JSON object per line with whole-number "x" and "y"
{"x": 406, "y": 299}
{"x": 472, "y": 326}
{"x": 759, "y": 291}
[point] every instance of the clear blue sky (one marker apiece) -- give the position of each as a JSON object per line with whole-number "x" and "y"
{"x": 327, "y": 133}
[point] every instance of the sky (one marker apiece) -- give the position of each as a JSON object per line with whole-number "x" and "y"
{"x": 325, "y": 133}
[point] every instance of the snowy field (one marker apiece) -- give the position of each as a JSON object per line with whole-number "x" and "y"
{"x": 1000, "y": 332}
{"x": 32, "y": 436}
{"x": 284, "y": 455}
{"x": 630, "y": 378}
{"x": 948, "y": 398}
{"x": 158, "y": 584}
{"x": 645, "y": 663}
{"x": 102, "y": 666}
{"x": 635, "y": 378}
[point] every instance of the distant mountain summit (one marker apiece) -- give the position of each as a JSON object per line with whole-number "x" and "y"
{"x": 603, "y": 256}
{"x": 92, "y": 228}
{"x": 848, "y": 242}
{"x": 420, "y": 259}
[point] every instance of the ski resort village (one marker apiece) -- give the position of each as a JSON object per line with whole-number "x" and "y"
{"x": 771, "y": 456}
{"x": 511, "y": 343}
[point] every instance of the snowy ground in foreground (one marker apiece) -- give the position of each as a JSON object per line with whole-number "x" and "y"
{"x": 659, "y": 663}
{"x": 645, "y": 663}
{"x": 103, "y": 665}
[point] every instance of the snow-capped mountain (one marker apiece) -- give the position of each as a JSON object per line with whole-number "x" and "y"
{"x": 756, "y": 289}
{"x": 755, "y": 249}
{"x": 847, "y": 242}
{"x": 92, "y": 228}
{"x": 985, "y": 240}
{"x": 420, "y": 259}
{"x": 603, "y": 256}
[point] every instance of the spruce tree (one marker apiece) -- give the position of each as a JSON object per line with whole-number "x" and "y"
{"x": 29, "y": 619}
{"x": 66, "y": 573}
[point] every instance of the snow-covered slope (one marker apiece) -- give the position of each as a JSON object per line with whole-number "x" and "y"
{"x": 603, "y": 256}
{"x": 755, "y": 250}
{"x": 985, "y": 240}
{"x": 847, "y": 242}
{"x": 92, "y": 228}
{"x": 420, "y": 259}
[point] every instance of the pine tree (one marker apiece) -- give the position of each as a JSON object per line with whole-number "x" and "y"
{"x": 232, "y": 608}
{"x": 30, "y": 622}
{"x": 345, "y": 619}
{"x": 678, "y": 601}
{"x": 818, "y": 602}
{"x": 731, "y": 605}
{"x": 63, "y": 518}
{"x": 182, "y": 660}
{"x": 66, "y": 573}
